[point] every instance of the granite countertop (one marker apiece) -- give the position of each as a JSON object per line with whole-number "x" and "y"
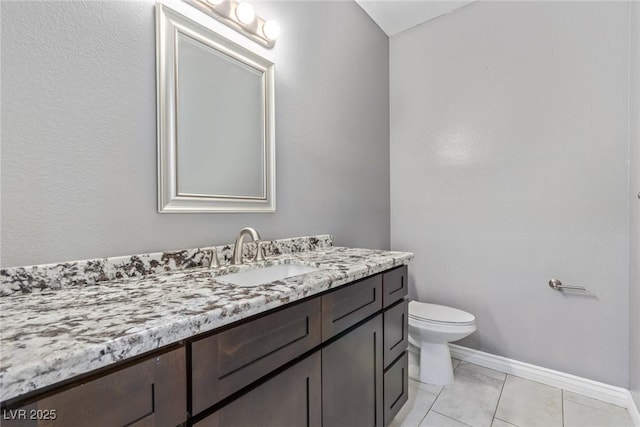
{"x": 54, "y": 335}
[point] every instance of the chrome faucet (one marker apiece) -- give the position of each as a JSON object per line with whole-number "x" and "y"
{"x": 237, "y": 249}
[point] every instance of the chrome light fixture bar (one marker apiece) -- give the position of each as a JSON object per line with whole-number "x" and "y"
{"x": 241, "y": 17}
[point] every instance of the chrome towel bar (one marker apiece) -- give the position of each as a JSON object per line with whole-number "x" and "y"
{"x": 558, "y": 286}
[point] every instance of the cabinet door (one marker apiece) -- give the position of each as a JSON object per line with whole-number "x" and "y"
{"x": 149, "y": 393}
{"x": 290, "y": 399}
{"x": 352, "y": 378}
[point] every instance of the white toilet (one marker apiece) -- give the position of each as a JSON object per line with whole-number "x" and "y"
{"x": 431, "y": 328}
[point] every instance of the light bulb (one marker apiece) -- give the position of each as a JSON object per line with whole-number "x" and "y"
{"x": 271, "y": 30}
{"x": 245, "y": 13}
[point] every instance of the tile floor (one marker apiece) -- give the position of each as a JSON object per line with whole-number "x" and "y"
{"x": 482, "y": 397}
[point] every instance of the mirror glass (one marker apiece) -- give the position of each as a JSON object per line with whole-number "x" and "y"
{"x": 215, "y": 116}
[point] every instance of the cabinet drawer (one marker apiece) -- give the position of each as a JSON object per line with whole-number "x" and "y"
{"x": 290, "y": 399}
{"x": 396, "y": 388}
{"x": 226, "y": 362}
{"x": 395, "y": 285}
{"x": 347, "y": 306}
{"x": 396, "y": 328}
{"x": 152, "y": 392}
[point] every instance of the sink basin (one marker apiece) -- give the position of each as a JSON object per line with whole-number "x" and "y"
{"x": 264, "y": 275}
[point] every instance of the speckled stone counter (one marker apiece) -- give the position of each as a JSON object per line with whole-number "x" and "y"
{"x": 56, "y": 334}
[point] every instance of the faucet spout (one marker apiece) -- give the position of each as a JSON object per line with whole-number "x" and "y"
{"x": 237, "y": 249}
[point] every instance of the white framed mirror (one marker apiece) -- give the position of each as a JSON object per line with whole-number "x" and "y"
{"x": 216, "y": 137}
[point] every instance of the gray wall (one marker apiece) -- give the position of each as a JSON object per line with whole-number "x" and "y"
{"x": 79, "y": 139}
{"x": 634, "y": 191}
{"x": 509, "y": 167}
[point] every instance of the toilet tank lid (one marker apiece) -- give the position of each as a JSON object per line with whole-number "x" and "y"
{"x": 439, "y": 313}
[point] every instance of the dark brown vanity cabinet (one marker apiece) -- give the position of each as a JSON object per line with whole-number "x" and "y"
{"x": 353, "y": 370}
{"x": 148, "y": 393}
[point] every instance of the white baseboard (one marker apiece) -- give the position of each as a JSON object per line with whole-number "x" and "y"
{"x": 596, "y": 390}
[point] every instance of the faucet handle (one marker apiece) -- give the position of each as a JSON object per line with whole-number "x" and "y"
{"x": 214, "y": 262}
{"x": 260, "y": 251}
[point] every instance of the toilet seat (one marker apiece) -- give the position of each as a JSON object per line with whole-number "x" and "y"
{"x": 439, "y": 314}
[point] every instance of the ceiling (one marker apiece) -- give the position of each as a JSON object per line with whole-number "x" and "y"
{"x": 394, "y": 16}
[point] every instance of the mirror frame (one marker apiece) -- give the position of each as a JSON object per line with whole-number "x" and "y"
{"x": 169, "y": 23}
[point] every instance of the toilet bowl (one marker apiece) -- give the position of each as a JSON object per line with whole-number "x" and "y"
{"x": 431, "y": 328}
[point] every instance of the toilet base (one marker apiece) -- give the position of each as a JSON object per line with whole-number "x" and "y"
{"x": 436, "y": 358}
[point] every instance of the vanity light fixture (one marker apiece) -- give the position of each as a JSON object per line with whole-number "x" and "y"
{"x": 242, "y": 17}
{"x": 271, "y": 30}
{"x": 245, "y": 13}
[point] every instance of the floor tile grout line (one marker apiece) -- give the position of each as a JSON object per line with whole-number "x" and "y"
{"x": 430, "y": 406}
{"x": 434, "y": 401}
{"x": 563, "y": 390}
{"x": 489, "y": 369}
{"x": 499, "y": 397}
{"x": 429, "y": 392}
{"x": 625, "y": 415}
{"x": 451, "y": 418}
{"x": 505, "y": 421}
{"x": 488, "y": 376}
{"x": 422, "y": 419}
{"x": 588, "y": 405}
{"x": 442, "y": 390}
